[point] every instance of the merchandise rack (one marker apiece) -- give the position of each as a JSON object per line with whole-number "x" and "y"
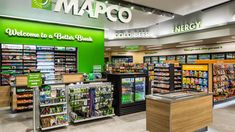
{"x": 53, "y": 110}
{"x": 23, "y": 98}
{"x": 223, "y": 82}
{"x": 19, "y": 59}
{"x": 167, "y": 77}
{"x": 90, "y": 101}
{"x": 196, "y": 76}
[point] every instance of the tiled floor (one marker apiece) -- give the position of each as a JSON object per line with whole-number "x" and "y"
{"x": 224, "y": 121}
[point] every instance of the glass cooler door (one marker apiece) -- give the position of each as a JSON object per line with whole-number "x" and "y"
{"x": 127, "y": 90}
{"x": 139, "y": 89}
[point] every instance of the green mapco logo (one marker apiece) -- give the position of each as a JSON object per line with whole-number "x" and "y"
{"x": 42, "y": 4}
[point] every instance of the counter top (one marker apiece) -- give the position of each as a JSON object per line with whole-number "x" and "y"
{"x": 176, "y": 96}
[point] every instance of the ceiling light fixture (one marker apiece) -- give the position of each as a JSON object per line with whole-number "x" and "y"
{"x": 132, "y": 8}
{"x": 190, "y": 42}
{"x": 149, "y": 12}
{"x": 186, "y": 45}
{"x": 106, "y": 2}
{"x": 234, "y": 17}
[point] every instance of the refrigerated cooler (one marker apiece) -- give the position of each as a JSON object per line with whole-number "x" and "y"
{"x": 204, "y": 57}
{"x": 154, "y": 59}
{"x": 162, "y": 59}
{"x": 129, "y": 92}
{"x": 147, "y": 59}
{"x": 220, "y": 56}
{"x": 172, "y": 57}
{"x": 191, "y": 59}
{"x": 181, "y": 59}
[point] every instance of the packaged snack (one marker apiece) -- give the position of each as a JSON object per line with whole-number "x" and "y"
{"x": 205, "y": 75}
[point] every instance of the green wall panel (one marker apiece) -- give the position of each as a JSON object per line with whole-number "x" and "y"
{"x": 90, "y": 53}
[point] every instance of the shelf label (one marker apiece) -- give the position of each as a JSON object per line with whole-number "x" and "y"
{"x": 34, "y": 79}
{"x": 195, "y": 67}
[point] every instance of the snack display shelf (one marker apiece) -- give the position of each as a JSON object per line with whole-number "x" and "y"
{"x": 167, "y": 78}
{"x": 195, "y": 77}
{"x": 53, "y": 127}
{"x": 90, "y": 101}
{"x": 223, "y": 82}
{"x": 53, "y": 106}
{"x": 62, "y": 113}
{"x": 93, "y": 118}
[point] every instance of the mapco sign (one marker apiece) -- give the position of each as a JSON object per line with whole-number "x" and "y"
{"x": 92, "y": 7}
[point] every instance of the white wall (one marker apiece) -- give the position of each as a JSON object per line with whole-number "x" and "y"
{"x": 226, "y": 47}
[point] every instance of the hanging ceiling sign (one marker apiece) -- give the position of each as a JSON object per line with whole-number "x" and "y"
{"x": 187, "y": 26}
{"x": 92, "y": 7}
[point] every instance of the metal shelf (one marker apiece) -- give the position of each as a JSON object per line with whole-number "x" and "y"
{"x": 52, "y": 127}
{"x": 93, "y": 118}
{"x": 62, "y": 103}
{"x": 62, "y": 113}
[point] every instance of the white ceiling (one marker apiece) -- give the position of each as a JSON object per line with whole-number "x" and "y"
{"x": 140, "y": 19}
{"x": 180, "y": 7}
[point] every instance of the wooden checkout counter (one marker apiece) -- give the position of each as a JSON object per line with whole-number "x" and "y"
{"x": 179, "y": 112}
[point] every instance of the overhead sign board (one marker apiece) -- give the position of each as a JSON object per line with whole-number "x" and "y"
{"x": 185, "y": 27}
{"x": 92, "y": 7}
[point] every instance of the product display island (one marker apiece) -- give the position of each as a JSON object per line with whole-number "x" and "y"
{"x": 184, "y": 111}
{"x": 129, "y": 92}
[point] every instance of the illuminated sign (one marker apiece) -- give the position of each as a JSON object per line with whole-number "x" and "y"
{"x": 187, "y": 26}
{"x": 92, "y": 7}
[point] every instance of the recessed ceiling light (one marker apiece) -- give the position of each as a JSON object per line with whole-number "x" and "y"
{"x": 132, "y": 8}
{"x": 234, "y": 17}
{"x": 186, "y": 45}
{"x": 190, "y": 42}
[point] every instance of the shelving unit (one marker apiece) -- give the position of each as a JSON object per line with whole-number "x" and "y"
{"x": 53, "y": 107}
{"x": 11, "y": 62}
{"x": 24, "y": 96}
{"x": 29, "y": 58}
{"x": 195, "y": 77}
{"x": 223, "y": 82}
{"x": 46, "y": 64}
{"x": 90, "y": 101}
{"x": 167, "y": 78}
{"x": 125, "y": 68}
{"x": 150, "y": 71}
{"x": 121, "y": 59}
{"x": 51, "y": 61}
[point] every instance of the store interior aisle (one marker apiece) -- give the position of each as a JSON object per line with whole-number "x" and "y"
{"x": 223, "y": 121}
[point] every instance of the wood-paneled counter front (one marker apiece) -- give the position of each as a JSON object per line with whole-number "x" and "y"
{"x": 188, "y": 113}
